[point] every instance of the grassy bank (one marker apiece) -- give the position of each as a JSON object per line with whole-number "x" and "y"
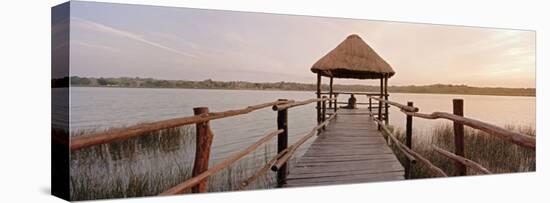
{"x": 494, "y": 154}
{"x": 291, "y": 86}
{"x": 150, "y": 164}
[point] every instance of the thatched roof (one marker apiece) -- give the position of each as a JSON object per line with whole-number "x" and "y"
{"x": 352, "y": 58}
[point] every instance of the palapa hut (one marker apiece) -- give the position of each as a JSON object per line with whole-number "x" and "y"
{"x": 353, "y": 58}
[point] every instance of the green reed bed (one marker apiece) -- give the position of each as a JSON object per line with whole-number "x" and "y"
{"x": 150, "y": 164}
{"x": 491, "y": 152}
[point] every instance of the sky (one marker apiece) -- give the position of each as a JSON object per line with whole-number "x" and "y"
{"x": 118, "y": 40}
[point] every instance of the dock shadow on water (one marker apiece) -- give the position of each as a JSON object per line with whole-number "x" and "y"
{"x": 497, "y": 155}
{"x": 150, "y": 164}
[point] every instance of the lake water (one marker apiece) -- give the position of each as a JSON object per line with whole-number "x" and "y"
{"x": 102, "y": 108}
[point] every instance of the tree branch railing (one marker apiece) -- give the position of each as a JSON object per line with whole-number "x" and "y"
{"x": 411, "y": 155}
{"x": 334, "y": 95}
{"x": 502, "y": 133}
{"x": 182, "y": 187}
{"x": 287, "y": 105}
{"x": 140, "y": 129}
{"x": 356, "y": 93}
{"x": 465, "y": 161}
{"x": 292, "y": 149}
{"x": 398, "y": 105}
{"x": 262, "y": 171}
{"x": 459, "y": 120}
{"x": 201, "y": 119}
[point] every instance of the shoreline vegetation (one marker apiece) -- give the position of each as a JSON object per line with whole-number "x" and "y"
{"x": 497, "y": 155}
{"x": 136, "y": 82}
{"x": 148, "y": 165}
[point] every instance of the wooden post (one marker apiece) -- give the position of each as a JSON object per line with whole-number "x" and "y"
{"x": 282, "y": 143}
{"x": 380, "y": 102}
{"x": 330, "y": 93}
{"x": 386, "y": 97}
{"x": 458, "y": 109}
{"x": 204, "y": 138}
{"x": 335, "y": 102}
{"x": 408, "y": 142}
{"x": 318, "y": 97}
{"x": 370, "y": 104}
{"x": 324, "y": 111}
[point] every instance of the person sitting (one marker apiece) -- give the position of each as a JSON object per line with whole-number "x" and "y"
{"x": 351, "y": 103}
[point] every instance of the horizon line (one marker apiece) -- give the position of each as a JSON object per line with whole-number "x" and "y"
{"x": 433, "y": 84}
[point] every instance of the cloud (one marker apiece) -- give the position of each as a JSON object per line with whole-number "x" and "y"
{"x": 94, "y": 46}
{"x": 93, "y": 26}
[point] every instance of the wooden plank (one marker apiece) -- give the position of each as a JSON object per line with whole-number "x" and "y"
{"x": 350, "y": 139}
{"x": 346, "y": 163}
{"x": 350, "y": 134}
{"x": 345, "y": 158}
{"x": 342, "y": 146}
{"x": 354, "y": 180}
{"x": 344, "y": 155}
{"x": 383, "y": 165}
{"x": 350, "y": 150}
{"x": 338, "y": 173}
{"x": 334, "y": 174}
{"x": 326, "y": 137}
{"x": 344, "y": 177}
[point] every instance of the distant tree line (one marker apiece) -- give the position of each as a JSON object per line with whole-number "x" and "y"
{"x": 137, "y": 82}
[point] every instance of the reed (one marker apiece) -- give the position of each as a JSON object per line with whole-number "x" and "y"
{"x": 148, "y": 165}
{"x": 494, "y": 154}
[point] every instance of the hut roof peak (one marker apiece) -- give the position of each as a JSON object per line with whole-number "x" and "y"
{"x": 353, "y": 35}
{"x": 353, "y": 58}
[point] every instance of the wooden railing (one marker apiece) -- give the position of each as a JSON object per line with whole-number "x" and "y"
{"x": 204, "y": 137}
{"x": 335, "y": 95}
{"x": 384, "y": 114}
{"x": 461, "y": 162}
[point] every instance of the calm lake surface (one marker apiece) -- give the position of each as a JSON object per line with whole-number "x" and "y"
{"x": 94, "y": 108}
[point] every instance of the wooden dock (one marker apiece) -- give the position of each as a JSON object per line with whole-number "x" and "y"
{"x": 350, "y": 150}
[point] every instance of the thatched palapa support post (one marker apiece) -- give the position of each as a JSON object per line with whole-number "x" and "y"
{"x": 324, "y": 111}
{"x": 387, "y": 117}
{"x": 330, "y": 93}
{"x": 335, "y": 102}
{"x": 318, "y": 97}
{"x": 370, "y": 103}
{"x": 379, "y": 101}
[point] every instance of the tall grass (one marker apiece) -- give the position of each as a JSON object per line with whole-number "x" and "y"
{"x": 496, "y": 155}
{"x": 150, "y": 164}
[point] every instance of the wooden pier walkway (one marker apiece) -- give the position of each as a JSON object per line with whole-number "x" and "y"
{"x": 350, "y": 150}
